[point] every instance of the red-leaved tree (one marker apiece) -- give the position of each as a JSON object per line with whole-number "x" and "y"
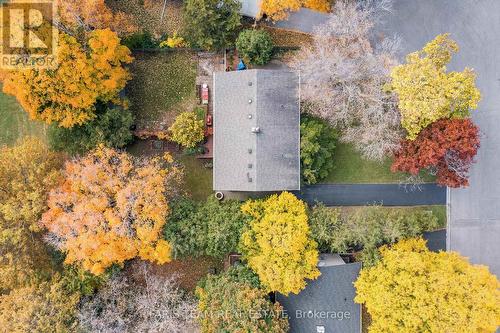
{"x": 447, "y": 147}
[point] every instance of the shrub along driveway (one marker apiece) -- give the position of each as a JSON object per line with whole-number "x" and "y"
{"x": 474, "y": 223}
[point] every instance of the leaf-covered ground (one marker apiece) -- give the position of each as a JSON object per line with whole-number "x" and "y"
{"x": 162, "y": 85}
{"x": 147, "y": 15}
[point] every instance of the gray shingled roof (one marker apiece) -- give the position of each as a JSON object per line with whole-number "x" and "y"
{"x": 264, "y": 161}
{"x": 330, "y": 296}
{"x": 250, "y": 8}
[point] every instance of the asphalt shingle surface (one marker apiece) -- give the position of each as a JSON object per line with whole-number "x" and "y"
{"x": 265, "y": 161}
{"x": 474, "y": 224}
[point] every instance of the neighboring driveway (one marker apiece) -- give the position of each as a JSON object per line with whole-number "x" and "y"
{"x": 373, "y": 194}
{"x": 474, "y": 213}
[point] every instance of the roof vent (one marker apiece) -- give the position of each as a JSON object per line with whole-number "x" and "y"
{"x": 249, "y": 150}
{"x": 250, "y": 83}
{"x": 250, "y": 101}
{"x": 255, "y": 129}
{"x": 250, "y": 165}
{"x": 248, "y": 177}
{"x": 249, "y": 116}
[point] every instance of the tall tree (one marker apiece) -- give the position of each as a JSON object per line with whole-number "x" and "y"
{"x": 46, "y": 307}
{"x": 111, "y": 127}
{"x": 27, "y": 173}
{"x": 343, "y": 77}
{"x": 111, "y": 208}
{"x": 212, "y": 228}
{"x": 414, "y": 290}
{"x": 317, "y": 145}
{"x": 187, "y": 130}
{"x": 85, "y": 75}
{"x": 143, "y": 302}
{"x": 427, "y": 92}
{"x": 447, "y": 147}
{"x": 277, "y": 243}
{"x": 230, "y": 302}
{"x": 211, "y": 24}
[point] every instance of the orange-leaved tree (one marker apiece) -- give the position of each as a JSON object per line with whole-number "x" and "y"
{"x": 85, "y": 74}
{"x": 93, "y": 14}
{"x": 112, "y": 207}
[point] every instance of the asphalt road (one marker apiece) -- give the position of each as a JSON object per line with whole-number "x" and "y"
{"x": 371, "y": 194}
{"x": 474, "y": 213}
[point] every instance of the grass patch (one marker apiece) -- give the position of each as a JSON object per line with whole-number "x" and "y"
{"x": 350, "y": 167}
{"x": 163, "y": 84}
{"x": 198, "y": 179}
{"x": 440, "y": 212}
{"x": 15, "y": 122}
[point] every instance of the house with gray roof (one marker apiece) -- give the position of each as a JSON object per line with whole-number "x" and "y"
{"x": 326, "y": 305}
{"x": 256, "y": 131}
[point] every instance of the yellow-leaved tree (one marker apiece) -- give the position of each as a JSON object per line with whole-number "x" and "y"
{"x": 277, "y": 10}
{"x": 187, "y": 130}
{"x": 415, "y": 290}
{"x": 85, "y": 75}
{"x": 28, "y": 172}
{"x": 277, "y": 243}
{"x": 427, "y": 92}
{"x": 112, "y": 207}
{"x": 45, "y": 307}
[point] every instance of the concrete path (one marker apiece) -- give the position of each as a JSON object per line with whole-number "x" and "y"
{"x": 474, "y": 213}
{"x": 370, "y": 194}
{"x": 304, "y": 20}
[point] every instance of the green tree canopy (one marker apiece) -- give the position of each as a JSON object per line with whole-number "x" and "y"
{"x": 255, "y": 46}
{"x": 211, "y": 24}
{"x": 367, "y": 228}
{"x": 211, "y": 228}
{"x": 317, "y": 145}
{"x": 231, "y": 302}
{"x": 111, "y": 127}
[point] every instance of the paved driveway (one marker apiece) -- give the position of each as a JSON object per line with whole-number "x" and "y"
{"x": 474, "y": 213}
{"x": 373, "y": 194}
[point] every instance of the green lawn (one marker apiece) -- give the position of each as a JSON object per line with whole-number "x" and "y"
{"x": 163, "y": 83}
{"x": 198, "y": 178}
{"x": 350, "y": 167}
{"x": 15, "y": 123}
